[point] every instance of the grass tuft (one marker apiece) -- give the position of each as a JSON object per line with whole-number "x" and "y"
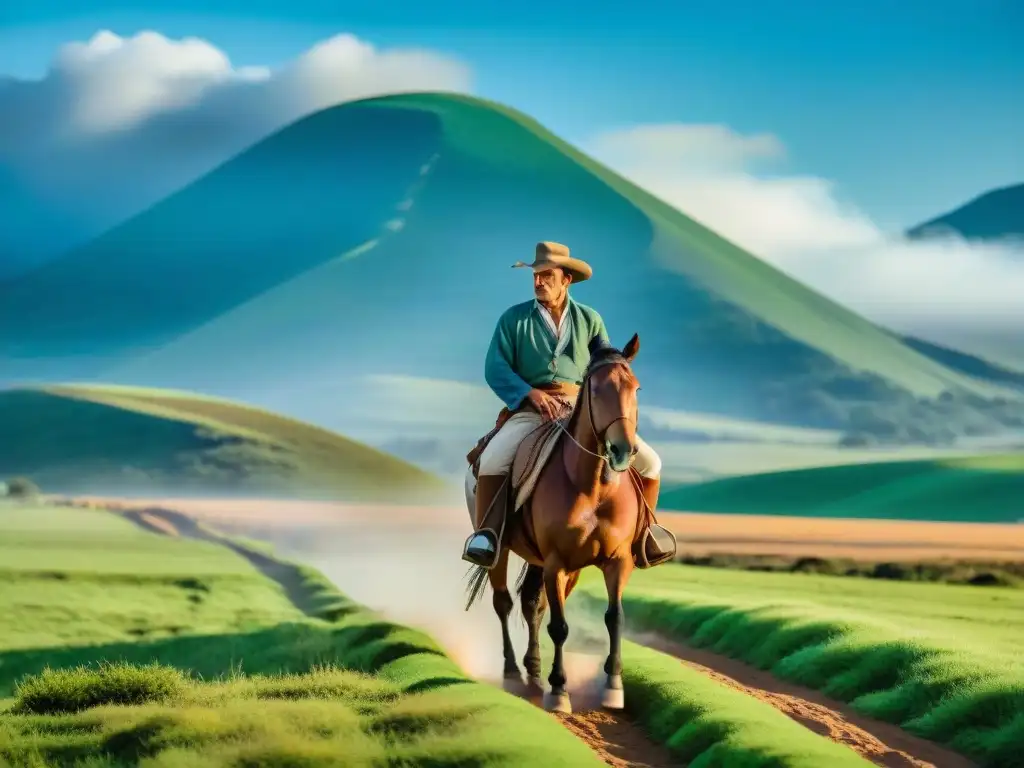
{"x": 706, "y": 724}
{"x": 55, "y": 691}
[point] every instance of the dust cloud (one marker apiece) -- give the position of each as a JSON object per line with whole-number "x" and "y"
{"x": 405, "y": 563}
{"x": 413, "y": 574}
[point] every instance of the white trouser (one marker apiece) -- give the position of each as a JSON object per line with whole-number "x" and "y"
{"x": 501, "y": 451}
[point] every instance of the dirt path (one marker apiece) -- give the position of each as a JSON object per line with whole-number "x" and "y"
{"x": 612, "y": 736}
{"x": 616, "y": 740}
{"x": 882, "y": 743}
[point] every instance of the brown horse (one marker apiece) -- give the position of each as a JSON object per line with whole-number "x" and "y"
{"x": 586, "y": 509}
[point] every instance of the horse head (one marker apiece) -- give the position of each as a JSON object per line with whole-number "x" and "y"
{"x": 611, "y": 388}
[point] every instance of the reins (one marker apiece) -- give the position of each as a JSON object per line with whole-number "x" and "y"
{"x": 593, "y": 428}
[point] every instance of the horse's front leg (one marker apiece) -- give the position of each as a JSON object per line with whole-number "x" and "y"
{"x": 555, "y": 579}
{"x": 616, "y": 574}
{"x": 503, "y": 604}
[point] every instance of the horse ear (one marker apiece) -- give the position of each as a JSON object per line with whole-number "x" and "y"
{"x": 632, "y": 347}
{"x": 596, "y": 345}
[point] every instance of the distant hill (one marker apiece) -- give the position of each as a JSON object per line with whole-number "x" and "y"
{"x": 376, "y": 237}
{"x": 104, "y": 439}
{"x": 994, "y": 218}
{"x": 994, "y": 215}
{"x": 966, "y": 363}
{"x": 974, "y": 489}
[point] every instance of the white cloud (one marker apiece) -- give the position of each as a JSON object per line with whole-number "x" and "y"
{"x": 713, "y": 146}
{"x": 798, "y": 224}
{"x": 117, "y": 123}
{"x": 112, "y": 83}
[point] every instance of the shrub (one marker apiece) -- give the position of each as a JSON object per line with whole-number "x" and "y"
{"x": 19, "y": 488}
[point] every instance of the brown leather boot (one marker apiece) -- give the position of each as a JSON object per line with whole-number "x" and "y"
{"x": 482, "y": 546}
{"x": 657, "y": 544}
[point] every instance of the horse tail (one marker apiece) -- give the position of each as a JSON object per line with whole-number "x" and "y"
{"x": 521, "y": 578}
{"x": 477, "y": 578}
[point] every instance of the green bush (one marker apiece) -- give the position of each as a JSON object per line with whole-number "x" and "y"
{"x": 19, "y": 488}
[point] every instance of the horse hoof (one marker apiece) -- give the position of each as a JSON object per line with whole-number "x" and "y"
{"x": 512, "y": 683}
{"x": 558, "y": 702}
{"x": 534, "y": 686}
{"x": 613, "y": 698}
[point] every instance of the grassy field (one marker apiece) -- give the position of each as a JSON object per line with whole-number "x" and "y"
{"x": 986, "y": 488}
{"x": 333, "y": 684}
{"x": 118, "y": 439}
{"x": 76, "y": 576}
{"x": 243, "y": 678}
{"x": 944, "y": 662}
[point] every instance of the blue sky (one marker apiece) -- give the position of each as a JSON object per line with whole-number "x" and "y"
{"x": 909, "y": 107}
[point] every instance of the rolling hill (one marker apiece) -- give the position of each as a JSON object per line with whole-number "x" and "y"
{"x": 995, "y": 215}
{"x": 375, "y": 237}
{"x": 980, "y": 489}
{"x": 106, "y": 439}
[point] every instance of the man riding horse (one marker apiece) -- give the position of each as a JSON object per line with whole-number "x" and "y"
{"x": 535, "y": 364}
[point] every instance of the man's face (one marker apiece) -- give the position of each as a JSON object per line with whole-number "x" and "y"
{"x": 550, "y": 285}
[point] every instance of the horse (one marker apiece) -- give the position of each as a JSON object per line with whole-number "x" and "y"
{"x": 586, "y": 509}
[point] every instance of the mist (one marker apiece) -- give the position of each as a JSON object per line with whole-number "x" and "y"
{"x": 413, "y": 574}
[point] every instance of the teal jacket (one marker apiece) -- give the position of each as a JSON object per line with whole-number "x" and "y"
{"x": 523, "y": 346}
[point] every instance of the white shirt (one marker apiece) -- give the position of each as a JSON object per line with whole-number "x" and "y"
{"x": 561, "y": 330}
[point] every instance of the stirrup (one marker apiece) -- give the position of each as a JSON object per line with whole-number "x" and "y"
{"x": 640, "y": 556}
{"x": 482, "y": 558}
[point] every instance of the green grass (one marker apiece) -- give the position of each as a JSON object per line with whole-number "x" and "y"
{"x": 706, "y": 724}
{"x": 307, "y": 688}
{"x": 944, "y": 662}
{"x": 116, "y": 439}
{"x": 59, "y": 691}
{"x": 985, "y": 488}
{"x": 75, "y": 576}
{"x": 92, "y": 672}
{"x": 40, "y": 537}
{"x": 325, "y": 716}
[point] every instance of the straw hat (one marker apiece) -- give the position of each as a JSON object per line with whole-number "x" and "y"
{"x": 550, "y": 255}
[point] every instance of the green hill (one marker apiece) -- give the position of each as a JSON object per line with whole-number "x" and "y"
{"x": 994, "y": 215}
{"x": 105, "y": 439}
{"x": 985, "y": 489}
{"x": 375, "y": 237}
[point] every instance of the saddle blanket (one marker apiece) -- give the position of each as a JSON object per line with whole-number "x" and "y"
{"x": 532, "y": 456}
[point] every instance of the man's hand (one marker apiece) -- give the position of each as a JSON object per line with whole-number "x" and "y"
{"x": 543, "y": 403}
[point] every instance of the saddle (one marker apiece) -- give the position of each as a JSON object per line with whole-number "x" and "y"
{"x": 564, "y": 393}
{"x": 532, "y": 455}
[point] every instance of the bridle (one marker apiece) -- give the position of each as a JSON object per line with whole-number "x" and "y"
{"x": 588, "y": 396}
{"x": 617, "y": 359}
